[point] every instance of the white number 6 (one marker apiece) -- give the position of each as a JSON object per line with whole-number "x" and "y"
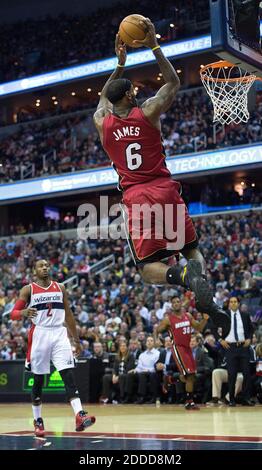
{"x": 134, "y": 160}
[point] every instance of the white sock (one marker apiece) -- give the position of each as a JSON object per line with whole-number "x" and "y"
{"x": 37, "y": 411}
{"x": 76, "y": 405}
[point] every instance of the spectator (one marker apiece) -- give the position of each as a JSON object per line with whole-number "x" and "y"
{"x": 119, "y": 380}
{"x": 167, "y": 369}
{"x": 236, "y": 346}
{"x": 146, "y": 373}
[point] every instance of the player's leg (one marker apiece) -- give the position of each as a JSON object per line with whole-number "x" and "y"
{"x": 63, "y": 360}
{"x": 159, "y": 273}
{"x": 37, "y": 405}
{"x": 40, "y": 365}
{"x": 187, "y": 367}
{"x": 190, "y": 380}
{"x": 192, "y": 277}
{"x": 82, "y": 419}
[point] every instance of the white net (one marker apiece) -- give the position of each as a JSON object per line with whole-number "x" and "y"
{"x": 227, "y": 86}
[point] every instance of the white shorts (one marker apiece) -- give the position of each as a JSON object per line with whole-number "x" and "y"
{"x": 49, "y": 344}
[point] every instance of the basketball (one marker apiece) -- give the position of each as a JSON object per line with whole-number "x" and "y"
{"x": 130, "y": 29}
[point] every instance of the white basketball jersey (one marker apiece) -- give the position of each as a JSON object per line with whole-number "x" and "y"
{"x": 49, "y": 304}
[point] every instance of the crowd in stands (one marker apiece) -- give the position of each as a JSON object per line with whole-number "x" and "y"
{"x": 115, "y": 306}
{"x": 211, "y": 196}
{"x": 36, "y": 46}
{"x": 69, "y": 144}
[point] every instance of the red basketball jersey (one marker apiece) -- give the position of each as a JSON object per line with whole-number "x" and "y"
{"x": 180, "y": 329}
{"x": 134, "y": 146}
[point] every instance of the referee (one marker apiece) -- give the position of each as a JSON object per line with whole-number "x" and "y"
{"x": 236, "y": 346}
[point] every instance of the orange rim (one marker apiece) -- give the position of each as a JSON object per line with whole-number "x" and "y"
{"x": 222, "y": 64}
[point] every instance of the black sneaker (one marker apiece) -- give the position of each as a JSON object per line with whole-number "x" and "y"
{"x": 204, "y": 297}
{"x": 199, "y": 285}
{"x": 219, "y": 318}
{"x": 191, "y": 406}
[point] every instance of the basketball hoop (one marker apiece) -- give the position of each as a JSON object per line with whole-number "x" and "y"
{"x": 227, "y": 85}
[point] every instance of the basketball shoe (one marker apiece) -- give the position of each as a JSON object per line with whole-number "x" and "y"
{"x": 193, "y": 278}
{"x": 39, "y": 427}
{"x": 191, "y": 406}
{"x": 84, "y": 421}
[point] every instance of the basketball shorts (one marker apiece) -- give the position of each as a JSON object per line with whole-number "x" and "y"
{"x": 155, "y": 227}
{"x": 47, "y": 344}
{"x": 184, "y": 359}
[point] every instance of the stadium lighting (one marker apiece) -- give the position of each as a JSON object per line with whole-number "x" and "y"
{"x": 172, "y": 25}
{"x": 253, "y": 185}
{"x": 53, "y": 98}
{"x": 179, "y": 70}
{"x": 55, "y": 102}
{"x": 158, "y": 36}
{"x": 89, "y": 89}
{"x": 73, "y": 93}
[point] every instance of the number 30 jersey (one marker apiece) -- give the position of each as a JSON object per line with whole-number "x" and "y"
{"x": 181, "y": 329}
{"x": 134, "y": 146}
{"x": 49, "y": 304}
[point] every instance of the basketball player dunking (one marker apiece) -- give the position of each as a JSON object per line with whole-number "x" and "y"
{"x": 179, "y": 326}
{"x": 131, "y": 136}
{"x": 45, "y": 302}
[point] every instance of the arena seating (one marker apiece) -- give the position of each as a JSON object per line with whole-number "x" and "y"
{"x": 234, "y": 259}
{"x": 37, "y": 46}
{"x": 70, "y": 143}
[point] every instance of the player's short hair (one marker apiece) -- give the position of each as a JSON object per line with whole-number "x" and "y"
{"x": 117, "y": 89}
{"x": 38, "y": 260}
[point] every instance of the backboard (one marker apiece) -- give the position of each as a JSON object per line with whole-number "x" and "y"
{"x": 235, "y": 32}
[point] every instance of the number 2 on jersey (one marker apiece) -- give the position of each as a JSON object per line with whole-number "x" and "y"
{"x": 49, "y": 313}
{"x": 134, "y": 160}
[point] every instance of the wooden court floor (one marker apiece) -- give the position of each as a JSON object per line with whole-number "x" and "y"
{"x": 142, "y": 427}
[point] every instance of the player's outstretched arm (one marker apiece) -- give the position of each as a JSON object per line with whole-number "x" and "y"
{"x": 161, "y": 102}
{"x": 199, "y": 325}
{"x": 104, "y": 106}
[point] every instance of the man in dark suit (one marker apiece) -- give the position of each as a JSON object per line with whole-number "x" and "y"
{"x": 167, "y": 369}
{"x": 236, "y": 345}
{"x": 134, "y": 349}
{"x": 204, "y": 366}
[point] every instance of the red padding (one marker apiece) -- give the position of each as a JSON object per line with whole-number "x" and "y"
{"x": 16, "y": 312}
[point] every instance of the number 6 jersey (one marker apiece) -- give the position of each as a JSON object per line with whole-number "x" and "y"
{"x": 151, "y": 199}
{"x": 134, "y": 146}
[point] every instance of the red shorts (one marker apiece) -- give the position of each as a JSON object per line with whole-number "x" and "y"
{"x": 157, "y": 233}
{"x": 184, "y": 359}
